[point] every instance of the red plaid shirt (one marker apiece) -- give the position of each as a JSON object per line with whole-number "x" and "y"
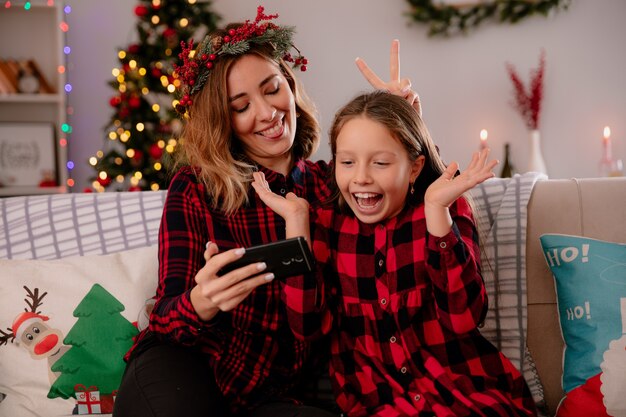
{"x": 404, "y": 308}
{"x": 254, "y": 353}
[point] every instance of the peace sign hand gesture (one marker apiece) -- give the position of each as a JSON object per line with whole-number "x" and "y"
{"x": 396, "y": 85}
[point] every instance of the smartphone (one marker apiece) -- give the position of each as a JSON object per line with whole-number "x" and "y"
{"x": 284, "y": 258}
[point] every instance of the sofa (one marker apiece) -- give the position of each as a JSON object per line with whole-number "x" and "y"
{"x": 53, "y": 241}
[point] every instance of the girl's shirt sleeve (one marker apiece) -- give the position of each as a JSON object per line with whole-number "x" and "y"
{"x": 182, "y": 239}
{"x": 453, "y": 264}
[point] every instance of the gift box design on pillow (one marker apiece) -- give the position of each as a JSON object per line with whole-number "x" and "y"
{"x": 90, "y": 355}
{"x": 590, "y": 277}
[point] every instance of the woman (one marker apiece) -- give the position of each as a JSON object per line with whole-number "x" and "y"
{"x": 221, "y": 345}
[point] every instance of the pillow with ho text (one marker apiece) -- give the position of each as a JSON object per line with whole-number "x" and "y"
{"x": 590, "y": 278}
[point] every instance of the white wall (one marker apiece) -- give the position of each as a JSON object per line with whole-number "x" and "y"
{"x": 462, "y": 81}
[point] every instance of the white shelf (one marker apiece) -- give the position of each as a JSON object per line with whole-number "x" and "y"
{"x": 20, "y": 191}
{"x": 32, "y": 98}
{"x": 35, "y": 34}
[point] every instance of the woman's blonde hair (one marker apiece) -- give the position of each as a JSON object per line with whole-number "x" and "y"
{"x": 209, "y": 145}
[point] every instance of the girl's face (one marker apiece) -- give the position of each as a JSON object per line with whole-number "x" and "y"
{"x": 373, "y": 170}
{"x": 263, "y": 111}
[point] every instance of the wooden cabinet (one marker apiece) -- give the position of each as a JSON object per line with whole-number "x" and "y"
{"x": 33, "y": 31}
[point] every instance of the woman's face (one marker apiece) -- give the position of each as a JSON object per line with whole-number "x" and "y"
{"x": 263, "y": 111}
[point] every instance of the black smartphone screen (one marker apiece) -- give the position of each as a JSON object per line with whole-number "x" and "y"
{"x": 283, "y": 258}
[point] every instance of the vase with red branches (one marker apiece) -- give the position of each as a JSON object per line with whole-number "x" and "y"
{"x": 527, "y": 101}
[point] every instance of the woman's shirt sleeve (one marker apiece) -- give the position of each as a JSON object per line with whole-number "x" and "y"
{"x": 453, "y": 265}
{"x": 182, "y": 239}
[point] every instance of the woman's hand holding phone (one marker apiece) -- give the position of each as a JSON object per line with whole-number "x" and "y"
{"x": 214, "y": 293}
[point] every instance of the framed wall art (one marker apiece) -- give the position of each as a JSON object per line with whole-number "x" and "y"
{"x": 27, "y": 155}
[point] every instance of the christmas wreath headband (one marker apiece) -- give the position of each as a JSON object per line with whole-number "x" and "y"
{"x": 197, "y": 64}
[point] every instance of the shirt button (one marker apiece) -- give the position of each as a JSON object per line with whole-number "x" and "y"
{"x": 403, "y": 369}
{"x": 383, "y": 301}
{"x": 381, "y": 262}
{"x": 282, "y": 191}
{"x": 417, "y": 397}
{"x": 392, "y": 339}
{"x": 443, "y": 245}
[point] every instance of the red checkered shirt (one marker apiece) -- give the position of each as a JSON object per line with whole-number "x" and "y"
{"x": 254, "y": 353}
{"x": 403, "y": 309}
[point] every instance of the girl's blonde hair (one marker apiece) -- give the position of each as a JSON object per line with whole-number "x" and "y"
{"x": 405, "y": 124}
{"x": 209, "y": 145}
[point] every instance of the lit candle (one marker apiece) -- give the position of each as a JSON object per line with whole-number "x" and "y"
{"x": 606, "y": 144}
{"x": 607, "y": 133}
{"x": 609, "y": 167}
{"x": 483, "y": 138}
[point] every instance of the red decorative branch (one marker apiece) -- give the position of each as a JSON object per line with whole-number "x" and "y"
{"x": 529, "y": 103}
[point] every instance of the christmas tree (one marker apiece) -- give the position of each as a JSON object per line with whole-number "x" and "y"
{"x": 99, "y": 339}
{"x": 141, "y": 134}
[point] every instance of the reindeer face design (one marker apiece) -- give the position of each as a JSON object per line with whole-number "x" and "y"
{"x": 31, "y": 332}
{"x": 34, "y": 335}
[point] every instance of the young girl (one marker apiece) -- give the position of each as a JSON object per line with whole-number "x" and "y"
{"x": 398, "y": 284}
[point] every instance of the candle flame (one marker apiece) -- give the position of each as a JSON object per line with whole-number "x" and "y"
{"x": 607, "y": 132}
{"x": 483, "y": 135}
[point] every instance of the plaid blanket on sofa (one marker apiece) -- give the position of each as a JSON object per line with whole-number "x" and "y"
{"x": 501, "y": 205}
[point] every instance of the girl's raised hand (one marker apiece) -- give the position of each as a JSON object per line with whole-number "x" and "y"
{"x": 285, "y": 207}
{"x": 447, "y": 188}
{"x": 396, "y": 85}
{"x": 293, "y": 209}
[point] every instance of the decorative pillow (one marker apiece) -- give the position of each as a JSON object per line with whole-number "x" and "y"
{"x": 65, "y": 326}
{"x": 591, "y": 294}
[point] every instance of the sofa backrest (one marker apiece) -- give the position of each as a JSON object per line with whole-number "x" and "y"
{"x": 61, "y": 225}
{"x": 592, "y": 207}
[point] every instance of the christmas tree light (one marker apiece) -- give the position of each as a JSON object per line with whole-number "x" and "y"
{"x": 141, "y": 134}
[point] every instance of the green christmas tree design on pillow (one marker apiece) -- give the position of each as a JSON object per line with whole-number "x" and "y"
{"x": 99, "y": 339}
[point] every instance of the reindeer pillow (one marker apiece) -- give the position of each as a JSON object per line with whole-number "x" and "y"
{"x": 64, "y": 327}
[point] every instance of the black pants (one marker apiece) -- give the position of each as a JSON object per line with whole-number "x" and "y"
{"x": 171, "y": 381}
